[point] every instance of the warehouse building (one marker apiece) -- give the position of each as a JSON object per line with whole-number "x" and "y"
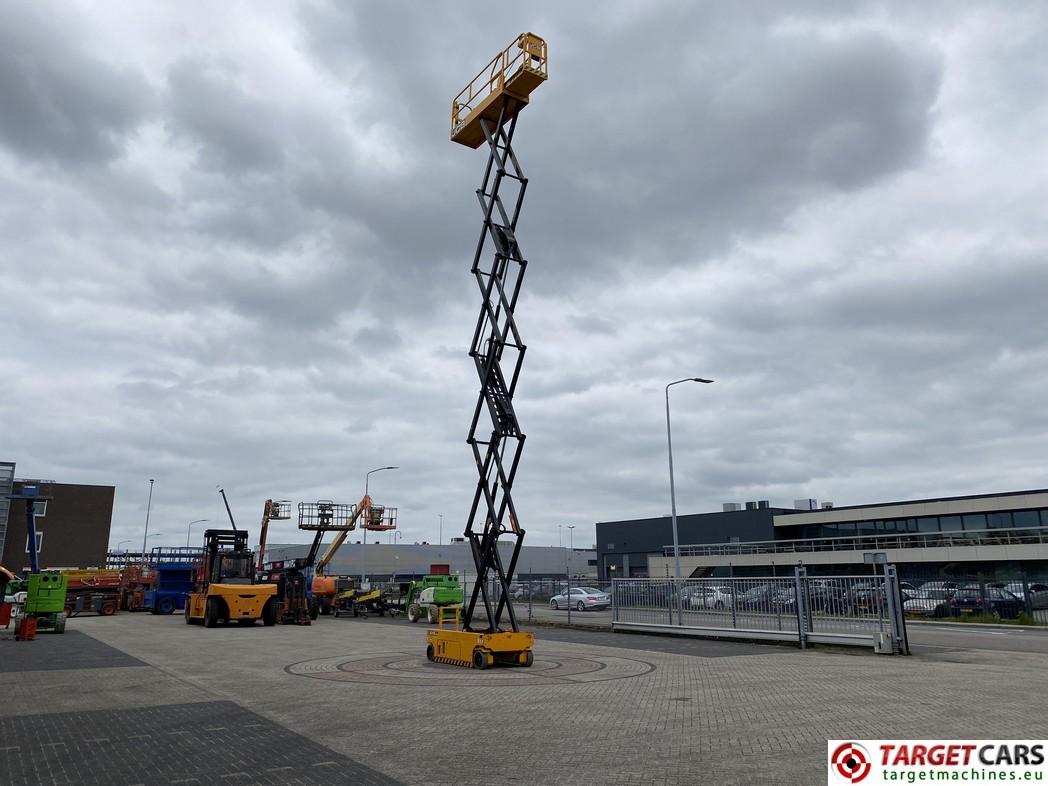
{"x": 383, "y": 561}
{"x": 1000, "y": 536}
{"x": 72, "y": 523}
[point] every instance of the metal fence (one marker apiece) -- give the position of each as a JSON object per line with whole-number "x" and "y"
{"x": 998, "y": 596}
{"x": 847, "y": 610}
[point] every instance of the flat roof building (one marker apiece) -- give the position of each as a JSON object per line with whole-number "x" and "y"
{"x": 72, "y": 524}
{"x": 1001, "y": 535}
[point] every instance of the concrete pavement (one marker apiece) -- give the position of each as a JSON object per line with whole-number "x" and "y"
{"x": 360, "y": 694}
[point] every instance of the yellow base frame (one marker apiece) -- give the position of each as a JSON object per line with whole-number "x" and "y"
{"x": 479, "y": 650}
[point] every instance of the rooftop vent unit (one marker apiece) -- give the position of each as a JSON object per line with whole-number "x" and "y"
{"x": 751, "y": 506}
{"x": 806, "y": 504}
{"x": 731, "y": 507}
{"x": 827, "y": 505}
{"x": 764, "y": 504}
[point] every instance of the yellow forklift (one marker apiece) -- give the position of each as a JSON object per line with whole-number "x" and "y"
{"x": 224, "y": 587}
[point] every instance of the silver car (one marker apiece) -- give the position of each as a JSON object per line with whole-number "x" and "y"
{"x": 581, "y": 598}
{"x": 709, "y": 596}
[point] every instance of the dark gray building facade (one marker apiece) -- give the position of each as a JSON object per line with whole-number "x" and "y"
{"x": 623, "y": 547}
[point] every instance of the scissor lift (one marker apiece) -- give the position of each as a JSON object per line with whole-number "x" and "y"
{"x": 486, "y": 111}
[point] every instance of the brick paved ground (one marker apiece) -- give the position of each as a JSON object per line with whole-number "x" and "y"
{"x": 189, "y": 744}
{"x": 589, "y": 713}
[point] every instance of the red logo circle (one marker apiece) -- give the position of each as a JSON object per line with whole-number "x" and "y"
{"x": 850, "y": 762}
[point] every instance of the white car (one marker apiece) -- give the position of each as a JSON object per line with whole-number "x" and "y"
{"x": 710, "y": 596}
{"x": 581, "y": 598}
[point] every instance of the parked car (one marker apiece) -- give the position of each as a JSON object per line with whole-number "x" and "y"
{"x": 709, "y": 596}
{"x": 759, "y": 598}
{"x": 581, "y": 598}
{"x": 929, "y": 603}
{"x": 984, "y": 599}
{"x": 1038, "y": 592}
{"x": 908, "y": 590}
{"x": 643, "y": 592}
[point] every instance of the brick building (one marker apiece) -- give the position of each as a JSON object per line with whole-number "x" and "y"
{"x": 72, "y": 524}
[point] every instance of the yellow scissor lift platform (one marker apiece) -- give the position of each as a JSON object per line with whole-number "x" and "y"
{"x": 512, "y": 74}
{"x": 486, "y": 111}
{"x": 473, "y": 649}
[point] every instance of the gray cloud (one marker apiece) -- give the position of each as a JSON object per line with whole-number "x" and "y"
{"x": 61, "y": 103}
{"x": 252, "y": 255}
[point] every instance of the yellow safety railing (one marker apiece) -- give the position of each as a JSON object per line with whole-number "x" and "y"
{"x": 527, "y": 51}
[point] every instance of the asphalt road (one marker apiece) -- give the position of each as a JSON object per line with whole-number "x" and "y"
{"x": 972, "y": 636}
{"x": 923, "y": 636}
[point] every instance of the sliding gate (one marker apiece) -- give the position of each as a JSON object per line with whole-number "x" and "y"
{"x": 845, "y": 610}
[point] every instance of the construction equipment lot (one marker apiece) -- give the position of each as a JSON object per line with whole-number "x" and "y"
{"x": 355, "y": 701}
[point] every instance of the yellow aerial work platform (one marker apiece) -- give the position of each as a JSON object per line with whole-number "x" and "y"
{"x": 512, "y": 74}
{"x": 475, "y": 648}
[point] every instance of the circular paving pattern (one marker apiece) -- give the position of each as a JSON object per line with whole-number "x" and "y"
{"x": 412, "y": 668}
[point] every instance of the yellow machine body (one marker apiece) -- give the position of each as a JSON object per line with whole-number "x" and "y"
{"x": 479, "y": 650}
{"x": 511, "y": 75}
{"x": 236, "y": 601}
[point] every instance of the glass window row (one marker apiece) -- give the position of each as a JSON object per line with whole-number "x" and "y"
{"x": 1015, "y": 519}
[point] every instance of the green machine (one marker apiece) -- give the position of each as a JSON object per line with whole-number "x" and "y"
{"x": 45, "y": 600}
{"x": 432, "y": 593}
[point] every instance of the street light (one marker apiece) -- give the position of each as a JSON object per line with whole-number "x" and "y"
{"x": 190, "y": 529}
{"x": 149, "y": 504}
{"x": 669, "y": 445}
{"x": 121, "y": 543}
{"x": 363, "y": 550}
{"x": 440, "y": 532}
{"x": 571, "y": 545}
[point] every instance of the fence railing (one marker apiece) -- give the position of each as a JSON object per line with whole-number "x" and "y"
{"x": 913, "y": 540}
{"x": 848, "y": 610}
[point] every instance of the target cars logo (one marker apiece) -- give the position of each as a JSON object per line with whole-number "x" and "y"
{"x": 850, "y": 762}
{"x": 876, "y": 762}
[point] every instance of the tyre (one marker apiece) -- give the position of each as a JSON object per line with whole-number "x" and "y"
{"x": 325, "y": 606}
{"x": 60, "y": 621}
{"x": 553, "y": 605}
{"x": 431, "y": 615}
{"x": 269, "y": 613}
{"x": 314, "y": 610}
{"x": 166, "y": 606}
{"x": 580, "y": 606}
{"x": 413, "y": 614}
{"x": 185, "y": 613}
{"x": 211, "y": 613}
{"x": 719, "y": 605}
{"x": 480, "y": 659}
{"x": 107, "y": 609}
{"x": 430, "y": 655}
{"x": 69, "y": 611}
{"x": 526, "y": 659}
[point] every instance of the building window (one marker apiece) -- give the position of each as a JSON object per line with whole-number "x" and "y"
{"x": 1025, "y": 518}
{"x": 611, "y": 547}
{"x": 591, "y": 562}
{"x": 950, "y": 523}
{"x": 40, "y": 508}
{"x": 999, "y": 520}
{"x": 928, "y": 524}
{"x": 39, "y": 542}
{"x": 974, "y": 521}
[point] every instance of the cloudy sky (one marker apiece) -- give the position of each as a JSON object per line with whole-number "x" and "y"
{"x": 236, "y": 245}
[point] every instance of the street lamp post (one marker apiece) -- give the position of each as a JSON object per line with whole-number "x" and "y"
{"x": 149, "y": 504}
{"x": 190, "y": 529}
{"x": 363, "y": 550}
{"x": 673, "y": 495}
{"x": 571, "y": 544}
{"x": 440, "y": 532}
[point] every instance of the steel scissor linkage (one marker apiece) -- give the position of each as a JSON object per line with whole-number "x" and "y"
{"x": 498, "y": 352}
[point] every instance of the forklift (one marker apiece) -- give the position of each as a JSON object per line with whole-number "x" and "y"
{"x": 224, "y": 586}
